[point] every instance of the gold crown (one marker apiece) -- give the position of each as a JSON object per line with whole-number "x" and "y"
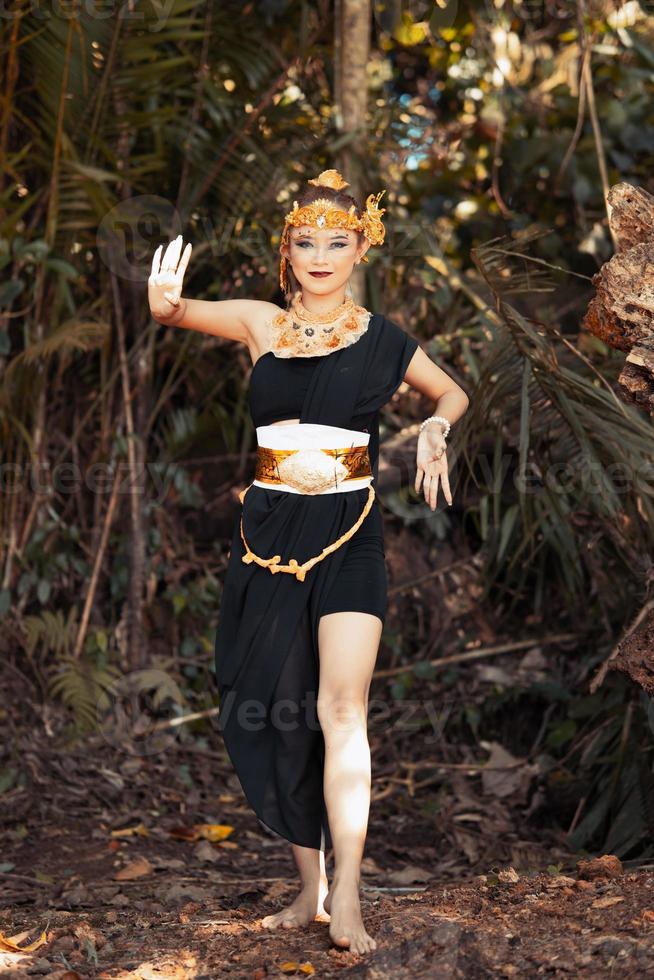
{"x": 324, "y": 213}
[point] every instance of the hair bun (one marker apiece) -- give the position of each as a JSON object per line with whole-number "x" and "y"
{"x": 329, "y": 178}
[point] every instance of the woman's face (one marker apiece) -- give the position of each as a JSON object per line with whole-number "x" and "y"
{"x": 333, "y": 251}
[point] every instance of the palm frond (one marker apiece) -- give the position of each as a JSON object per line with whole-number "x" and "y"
{"x": 86, "y": 688}
{"x": 569, "y": 446}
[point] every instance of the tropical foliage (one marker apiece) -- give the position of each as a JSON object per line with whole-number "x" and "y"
{"x": 124, "y": 442}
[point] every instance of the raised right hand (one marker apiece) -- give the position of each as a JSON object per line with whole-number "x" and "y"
{"x": 166, "y": 277}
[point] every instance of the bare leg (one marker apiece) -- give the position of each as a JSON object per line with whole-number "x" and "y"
{"x": 348, "y": 644}
{"x": 309, "y": 903}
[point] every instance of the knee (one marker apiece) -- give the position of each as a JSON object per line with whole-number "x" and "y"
{"x": 342, "y": 711}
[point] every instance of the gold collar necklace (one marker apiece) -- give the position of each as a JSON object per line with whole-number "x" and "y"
{"x": 299, "y": 333}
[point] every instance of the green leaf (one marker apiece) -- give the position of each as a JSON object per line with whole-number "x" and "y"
{"x": 10, "y": 290}
{"x": 179, "y": 602}
{"x": 7, "y": 779}
{"x": 561, "y": 733}
{"x": 5, "y": 601}
{"x": 509, "y": 520}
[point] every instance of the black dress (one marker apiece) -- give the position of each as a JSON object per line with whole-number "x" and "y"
{"x": 266, "y": 648}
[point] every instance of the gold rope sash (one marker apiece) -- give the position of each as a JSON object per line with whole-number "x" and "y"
{"x": 293, "y": 568}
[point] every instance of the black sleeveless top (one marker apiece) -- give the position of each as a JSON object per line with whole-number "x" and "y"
{"x": 278, "y": 387}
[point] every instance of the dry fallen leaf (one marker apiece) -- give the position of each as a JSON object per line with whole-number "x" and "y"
{"x": 139, "y": 829}
{"x": 10, "y": 943}
{"x": 408, "y": 875}
{"x": 45, "y": 878}
{"x": 210, "y": 831}
{"x": 135, "y": 869}
{"x": 214, "y": 831}
{"x": 292, "y": 967}
{"x": 606, "y": 902}
{"x": 504, "y": 774}
{"x": 184, "y": 833}
{"x": 205, "y": 851}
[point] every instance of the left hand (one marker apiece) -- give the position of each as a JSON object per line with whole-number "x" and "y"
{"x": 431, "y": 463}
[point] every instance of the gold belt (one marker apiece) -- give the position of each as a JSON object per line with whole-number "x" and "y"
{"x": 312, "y": 470}
{"x": 277, "y": 466}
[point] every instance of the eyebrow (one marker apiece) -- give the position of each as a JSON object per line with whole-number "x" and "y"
{"x": 306, "y": 234}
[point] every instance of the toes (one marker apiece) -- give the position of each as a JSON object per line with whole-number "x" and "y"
{"x": 359, "y": 944}
{"x": 273, "y": 921}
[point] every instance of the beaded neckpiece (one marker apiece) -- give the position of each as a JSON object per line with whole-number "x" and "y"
{"x": 299, "y": 333}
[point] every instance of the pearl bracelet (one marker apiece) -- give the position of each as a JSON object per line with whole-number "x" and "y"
{"x": 437, "y": 418}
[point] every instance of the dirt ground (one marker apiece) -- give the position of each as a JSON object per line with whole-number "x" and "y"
{"x": 116, "y": 865}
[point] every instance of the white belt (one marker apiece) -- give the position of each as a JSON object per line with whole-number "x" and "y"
{"x": 308, "y": 439}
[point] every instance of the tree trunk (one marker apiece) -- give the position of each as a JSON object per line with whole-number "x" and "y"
{"x": 351, "y": 53}
{"x": 135, "y": 391}
{"x": 621, "y": 313}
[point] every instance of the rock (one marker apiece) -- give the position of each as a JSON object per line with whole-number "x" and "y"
{"x": 606, "y": 866}
{"x": 40, "y": 966}
{"x": 620, "y": 312}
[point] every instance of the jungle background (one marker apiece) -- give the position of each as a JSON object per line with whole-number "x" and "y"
{"x": 504, "y": 747}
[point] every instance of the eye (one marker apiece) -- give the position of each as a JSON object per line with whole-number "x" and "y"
{"x": 338, "y": 244}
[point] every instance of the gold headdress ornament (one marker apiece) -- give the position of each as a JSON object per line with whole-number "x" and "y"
{"x": 324, "y": 213}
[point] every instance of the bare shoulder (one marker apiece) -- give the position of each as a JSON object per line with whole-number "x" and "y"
{"x": 259, "y": 318}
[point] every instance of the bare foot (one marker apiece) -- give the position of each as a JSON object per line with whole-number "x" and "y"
{"x": 346, "y": 928}
{"x": 305, "y": 908}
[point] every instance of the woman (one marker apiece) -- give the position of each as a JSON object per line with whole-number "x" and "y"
{"x": 304, "y": 597}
